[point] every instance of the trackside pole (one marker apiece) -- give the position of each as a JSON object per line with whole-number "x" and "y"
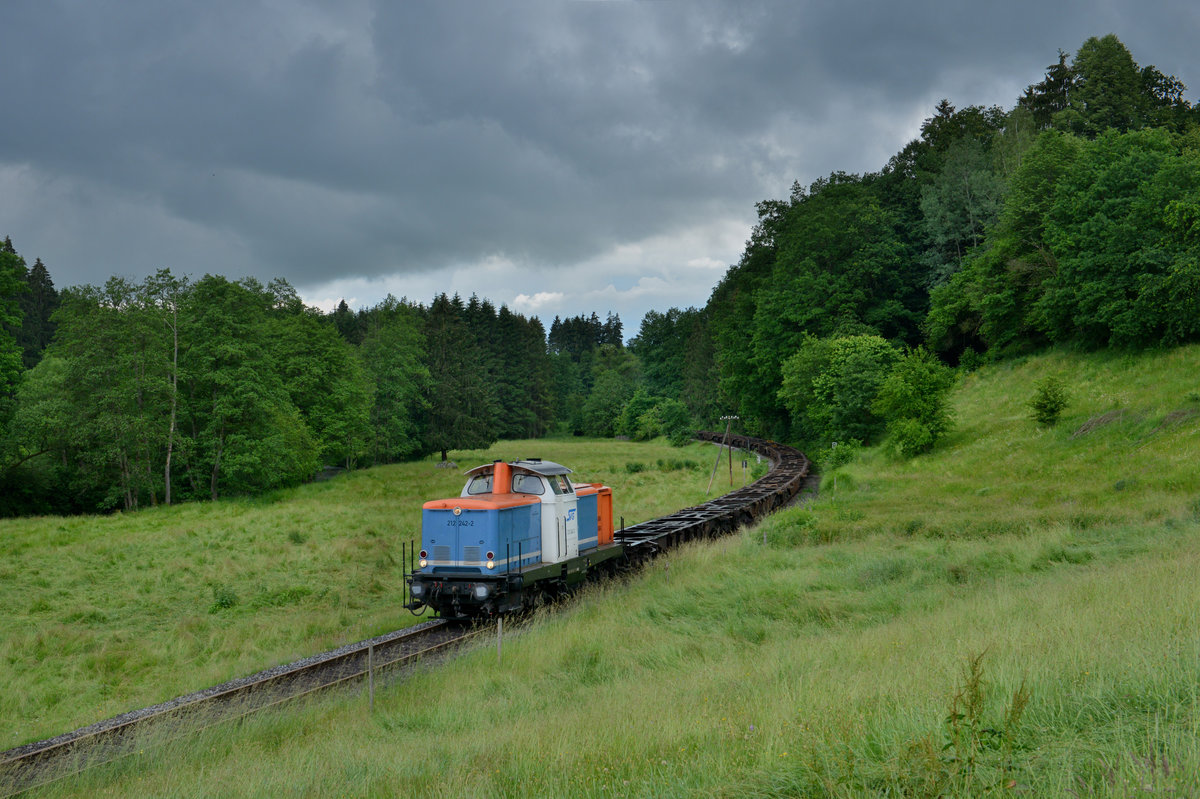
{"x": 371, "y": 675}
{"x": 720, "y": 451}
{"x": 716, "y": 466}
{"x": 730, "y": 458}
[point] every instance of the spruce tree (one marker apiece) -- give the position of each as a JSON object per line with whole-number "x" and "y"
{"x": 462, "y": 404}
{"x": 38, "y": 303}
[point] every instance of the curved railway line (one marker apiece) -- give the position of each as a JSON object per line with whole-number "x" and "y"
{"x": 789, "y": 468}
{"x": 34, "y": 764}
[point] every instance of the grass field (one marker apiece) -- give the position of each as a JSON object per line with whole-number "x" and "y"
{"x": 1015, "y": 614}
{"x": 106, "y": 614}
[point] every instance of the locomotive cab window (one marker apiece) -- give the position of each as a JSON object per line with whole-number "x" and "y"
{"x": 560, "y": 484}
{"x": 528, "y": 484}
{"x": 480, "y": 484}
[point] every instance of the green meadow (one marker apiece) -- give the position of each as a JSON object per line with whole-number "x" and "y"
{"x": 104, "y": 614}
{"x": 1014, "y": 614}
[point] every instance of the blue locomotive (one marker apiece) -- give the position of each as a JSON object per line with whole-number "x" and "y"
{"x": 517, "y": 529}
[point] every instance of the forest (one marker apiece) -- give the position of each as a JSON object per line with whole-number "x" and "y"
{"x": 1071, "y": 219}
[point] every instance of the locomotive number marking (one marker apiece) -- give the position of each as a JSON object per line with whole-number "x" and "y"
{"x": 460, "y": 522}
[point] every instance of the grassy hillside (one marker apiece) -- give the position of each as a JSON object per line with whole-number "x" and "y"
{"x": 105, "y": 614}
{"x": 1125, "y": 451}
{"x": 1014, "y": 614}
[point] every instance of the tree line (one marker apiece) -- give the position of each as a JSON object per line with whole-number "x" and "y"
{"x": 1072, "y": 218}
{"x": 129, "y": 394}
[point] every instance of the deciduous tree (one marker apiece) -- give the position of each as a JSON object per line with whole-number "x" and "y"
{"x": 394, "y": 353}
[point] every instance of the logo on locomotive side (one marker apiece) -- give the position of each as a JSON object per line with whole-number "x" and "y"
{"x": 571, "y": 514}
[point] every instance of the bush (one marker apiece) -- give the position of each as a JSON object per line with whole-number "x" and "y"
{"x": 838, "y": 454}
{"x": 910, "y": 437}
{"x": 970, "y": 360}
{"x": 645, "y": 417}
{"x": 914, "y": 401}
{"x": 1049, "y": 401}
{"x": 676, "y": 422}
{"x": 602, "y": 409}
{"x": 786, "y": 529}
{"x": 224, "y": 597}
{"x": 828, "y": 386}
{"x": 633, "y": 467}
{"x": 637, "y": 419}
{"x": 676, "y": 464}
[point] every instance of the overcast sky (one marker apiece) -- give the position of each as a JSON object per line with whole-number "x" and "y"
{"x": 557, "y": 157}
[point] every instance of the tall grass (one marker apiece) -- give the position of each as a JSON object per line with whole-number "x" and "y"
{"x": 751, "y": 671}
{"x": 1124, "y": 451}
{"x": 107, "y": 613}
{"x": 1012, "y": 615}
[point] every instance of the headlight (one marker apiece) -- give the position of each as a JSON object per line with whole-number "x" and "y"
{"x": 423, "y": 563}
{"x": 491, "y": 564}
{"x": 418, "y": 589}
{"x": 481, "y": 591}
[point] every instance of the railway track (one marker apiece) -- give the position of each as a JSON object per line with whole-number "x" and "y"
{"x": 789, "y": 468}
{"x": 37, "y": 763}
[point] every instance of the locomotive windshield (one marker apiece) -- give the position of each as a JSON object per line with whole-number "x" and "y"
{"x": 480, "y": 484}
{"x": 527, "y": 484}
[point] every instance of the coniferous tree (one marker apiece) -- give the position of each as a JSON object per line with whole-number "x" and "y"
{"x": 462, "y": 404}
{"x": 1046, "y": 99}
{"x": 1102, "y": 89}
{"x": 350, "y": 326}
{"x": 1106, "y": 90}
{"x": 539, "y": 377}
{"x": 959, "y": 205}
{"x": 522, "y": 378}
{"x": 659, "y": 345}
{"x": 610, "y": 331}
{"x": 699, "y": 388}
{"x": 38, "y": 303}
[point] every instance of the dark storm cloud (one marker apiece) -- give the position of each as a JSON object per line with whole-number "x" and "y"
{"x": 315, "y": 140}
